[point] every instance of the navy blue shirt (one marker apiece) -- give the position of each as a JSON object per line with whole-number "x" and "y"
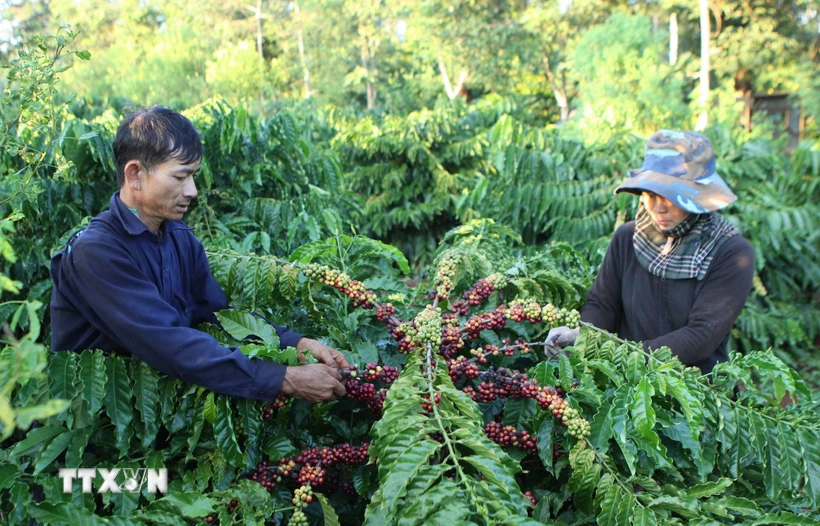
{"x": 120, "y": 287}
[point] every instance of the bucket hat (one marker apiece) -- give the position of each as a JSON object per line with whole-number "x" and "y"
{"x": 680, "y": 166}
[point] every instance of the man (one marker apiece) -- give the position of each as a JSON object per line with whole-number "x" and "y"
{"x": 137, "y": 280}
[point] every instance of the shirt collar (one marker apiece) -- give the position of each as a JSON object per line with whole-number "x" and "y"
{"x": 131, "y": 223}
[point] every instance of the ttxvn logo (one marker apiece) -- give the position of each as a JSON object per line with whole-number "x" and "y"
{"x": 133, "y": 479}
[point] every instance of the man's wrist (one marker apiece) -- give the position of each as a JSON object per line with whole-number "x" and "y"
{"x": 287, "y": 387}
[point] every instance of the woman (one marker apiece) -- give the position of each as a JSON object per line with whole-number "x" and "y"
{"x": 679, "y": 274}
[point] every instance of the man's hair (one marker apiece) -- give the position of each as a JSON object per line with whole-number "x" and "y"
{"x": 152, "y": 136}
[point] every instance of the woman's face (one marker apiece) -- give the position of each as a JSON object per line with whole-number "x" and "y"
{"x": 666, "y": 215}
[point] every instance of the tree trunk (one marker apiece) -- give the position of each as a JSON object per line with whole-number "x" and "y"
{"x": 559, "y": 90}
{"x": 452, "y": 91}
{"x": 259, "y": 51}
{"x": 703, "y": 119}
{"x": 367, "y": 61}
{"x": 673, "y": 39}
{"x": 301, "y": 43}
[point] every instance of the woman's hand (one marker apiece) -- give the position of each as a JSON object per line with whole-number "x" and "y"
{"x": 562, "y": 336}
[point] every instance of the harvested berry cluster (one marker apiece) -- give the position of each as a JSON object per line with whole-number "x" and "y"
{"x": 211, "y": 519}
{"x": 373, "y": 372}
{"x": 426, "y": 406}
{"x": 445, "y": 270}
{"x": 530, "y": 496}
{"x": 486, "y": 321}
{"x": 386, "y": 312}
{"x": 360, "y": 386}
{"x": 477, "y": 294}
{"x": 509, "y": 436}
{"x": 277, "y": 403}
{"x": 503, "y": 383}
{"x": 556, "y": 317}
{"x": 461, "y": 367}
{"x": 301, "y": 498}
{"x": 530, "y": 312}
{"x": 310, "y": 466}
{"x": 427, "y": 326}
{"x": 366, "y": 393}
{"x": 352, "y": 288}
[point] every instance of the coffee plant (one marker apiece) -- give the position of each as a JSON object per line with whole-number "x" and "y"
{"x": 479, "y": 421}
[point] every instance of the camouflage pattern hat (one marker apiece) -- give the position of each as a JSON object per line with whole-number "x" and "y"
{"x": 680, "y": 166}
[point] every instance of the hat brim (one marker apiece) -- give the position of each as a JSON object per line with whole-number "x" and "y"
{"x": 694, "y": 197}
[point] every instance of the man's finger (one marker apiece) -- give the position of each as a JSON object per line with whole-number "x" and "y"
{"x": 341, "y": 361}
{"x": 334, "y": 372}
{"x": 339, "y": 390}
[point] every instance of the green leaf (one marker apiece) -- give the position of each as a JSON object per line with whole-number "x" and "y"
{"x": 772, "y": 471}
{"x": 685, "y": 507}
{"x": 601, "y": 427}
{"x": 62, "y": 369}
{"x": 727, "y": 437}
{"x": 616, "y": 507}
{"x": 565, "y": 374}
{"x": 621, "y": 402}
{"x": 8, "y": 474}
{"x": 611, "y": 372}
{"x": 441, "y": 504}
{"x": 543, "y": 373}
{"x": 785, "y": 518}
{"x": 635, "y": 367}
{"x": 193, "y": 505}
{"x": 760, "y": 436}
{"x": 224, "y": 433}
{"x": 790, "y": 456}
{"x": 74, "y": 453}
{"x": 425, "y": 479}
{"x": 496, "y": 474}
{"x": 118, "y": 401}
{"x": 709, "y": 489}
{"x": 402, "y": 471}
{"x": 545, "y": 443}
{"x": 331, "y": 519}
{"x": 277, "y": 447}
{"x": 642, "y": 516}
{"x": 643, "y": 414}
{"x": 25, "y": 416}
{"x": 34, "y": 438}
{"x": 810, "y": 447}
{"x": 586, "y": 474}
{"x": 197, "y": 425}
{"x": 690, "y": 404}
{"x": 146, "y": 398}
{"x": 740, "y": 505}
{"x": 241, "y": 324}
{"x": 63, "y": 513}
{"x": 209, "y": 411}
{"x": 519, "y": 412}
{"x": 92, "y": 376}
{"x": 53, "y": 450}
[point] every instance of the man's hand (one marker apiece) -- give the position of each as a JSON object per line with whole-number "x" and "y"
{"x": 327, "y": 355}
{"x": 314, "y": 383}
{"x": 562, "y": 337}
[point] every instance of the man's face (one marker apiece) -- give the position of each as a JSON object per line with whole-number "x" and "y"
{"x": 166, "y": 191}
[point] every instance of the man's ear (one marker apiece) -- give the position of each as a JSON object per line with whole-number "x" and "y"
{"x": 132, "y": 173}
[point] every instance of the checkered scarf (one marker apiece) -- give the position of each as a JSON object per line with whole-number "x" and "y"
{"x": 683, "y": 252}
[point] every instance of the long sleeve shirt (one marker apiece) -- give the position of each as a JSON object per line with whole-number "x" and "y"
{"x": 119, "y": 287}
{"x": 693, "y": 318}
